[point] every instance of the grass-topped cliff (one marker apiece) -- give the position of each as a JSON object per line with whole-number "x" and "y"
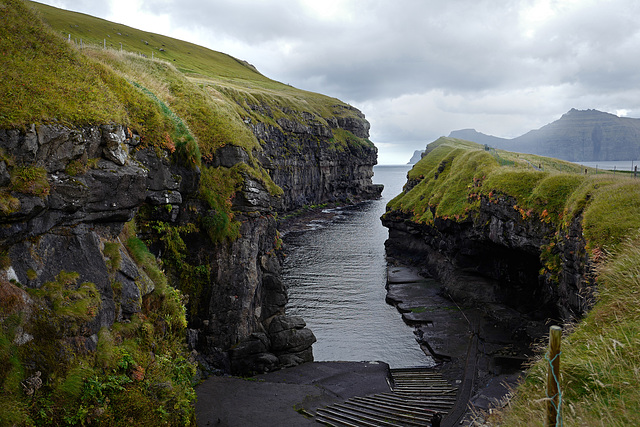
{"x": 81, "y": 82}
{"x": 600, "y": 356}
{"x": 450, "y": 180}
{"x": 188, "y": 122}
{"x": 56, "y": 69}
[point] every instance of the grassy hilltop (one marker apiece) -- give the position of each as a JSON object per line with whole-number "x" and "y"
{"x": 184, "y": 100}
{"x": 600, "y": 360}
{"x": 188, "y": 98}
{"x": 48, "y": 78}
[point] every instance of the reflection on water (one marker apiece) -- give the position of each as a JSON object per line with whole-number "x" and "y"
{"x": 336, "y": 275}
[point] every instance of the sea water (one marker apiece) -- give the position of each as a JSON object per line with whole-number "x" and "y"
{"x": 336, "y": 276}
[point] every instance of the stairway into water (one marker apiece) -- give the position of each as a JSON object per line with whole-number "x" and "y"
{"x": 416, "y": 396}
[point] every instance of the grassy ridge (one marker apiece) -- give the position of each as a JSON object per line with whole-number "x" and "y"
{"x": 455, "y": 174}
{"x": 601, "y": 356}
{"x": 232, "y": 86}
{"x": 187, "y": 57}
{"x": 46, "y": 78}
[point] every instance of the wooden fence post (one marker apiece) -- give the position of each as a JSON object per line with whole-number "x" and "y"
{"x": 554, "y": 401}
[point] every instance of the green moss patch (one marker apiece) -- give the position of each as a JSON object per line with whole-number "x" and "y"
{"x": 455, "y": 174}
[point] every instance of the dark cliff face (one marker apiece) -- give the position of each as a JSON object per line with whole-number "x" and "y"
{"x": 499, "y": 257}
{"x": 246, "y": 308}
{"x": 68, "y": 193}
{"x": 305, "y": 157}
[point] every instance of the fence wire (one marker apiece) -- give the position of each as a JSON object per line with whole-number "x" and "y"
{"x": 552, "y": 399}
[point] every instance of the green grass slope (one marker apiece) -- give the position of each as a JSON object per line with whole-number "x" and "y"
{"x": 210, "y": 74}
{"x": 187, "y": 57}
{"x": 600, "y": 357}
{"x": 454, "y": 175}
{"x": 187, "y": 97}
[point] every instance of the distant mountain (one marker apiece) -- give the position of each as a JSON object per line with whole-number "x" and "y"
{"x": 479, "y": 137}
{"x": 417, "y": 155}
{"x": 579, "y": 135}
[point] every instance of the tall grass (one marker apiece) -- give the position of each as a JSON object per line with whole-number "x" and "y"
{"x": 600, "y": 360}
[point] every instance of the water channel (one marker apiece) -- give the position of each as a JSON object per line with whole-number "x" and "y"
{"x": 335, "y": 272}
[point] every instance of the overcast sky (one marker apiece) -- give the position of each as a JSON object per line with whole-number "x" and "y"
{"x": 419, "y": 69}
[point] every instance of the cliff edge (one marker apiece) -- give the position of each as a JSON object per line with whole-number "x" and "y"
{"x": 139, "y": 201}
{"x": 524, "y": 237}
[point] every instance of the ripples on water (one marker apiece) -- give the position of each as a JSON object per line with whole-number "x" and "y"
{"x": 336, "y": 276}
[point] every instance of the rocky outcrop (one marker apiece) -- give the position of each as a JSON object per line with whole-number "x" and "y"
{"x": 69, "y": 191}
{"x": 498, "y": 258}
{"x": 286, "y": 343}
{"x": 305, "y": 159}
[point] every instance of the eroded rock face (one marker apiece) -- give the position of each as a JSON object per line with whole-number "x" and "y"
{"x": 236, "y": 330}
{"x": 497, "y": 258}
{"x": 92, "y": 186}
{"x": 81, "y": 185}
{"x": 311, "y": 169}
{"x": 232, "y": 326}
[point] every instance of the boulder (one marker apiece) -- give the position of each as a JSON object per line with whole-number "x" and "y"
{"x": 285, "y": 323}
{"x": 292, "y": 340}
{"x": 288, "y": 360}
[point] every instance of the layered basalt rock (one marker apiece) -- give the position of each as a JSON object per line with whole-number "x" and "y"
{"x": 86, "y": 185}
{"x": 244, "y": 327}
{"x": 67, "y": 193}
{"x": 498, "y": 258}
{"x": 304, "y": 159}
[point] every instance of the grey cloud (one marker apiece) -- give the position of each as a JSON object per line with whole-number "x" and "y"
{"x": 421, "y": 68}
{"x": 244, "y": 20}
{"x": 92, "y": 7}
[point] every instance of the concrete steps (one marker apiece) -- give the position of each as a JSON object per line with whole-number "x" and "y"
{"x": 417, "y": 395}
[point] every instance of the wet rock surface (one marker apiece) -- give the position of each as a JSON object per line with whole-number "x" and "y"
{"x": 472, "y": 348}
{"x": 281, "y": 398}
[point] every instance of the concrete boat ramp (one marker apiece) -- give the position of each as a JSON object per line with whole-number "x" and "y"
{"x": 417, "y": 396}
{"x": 339, "y": 394}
